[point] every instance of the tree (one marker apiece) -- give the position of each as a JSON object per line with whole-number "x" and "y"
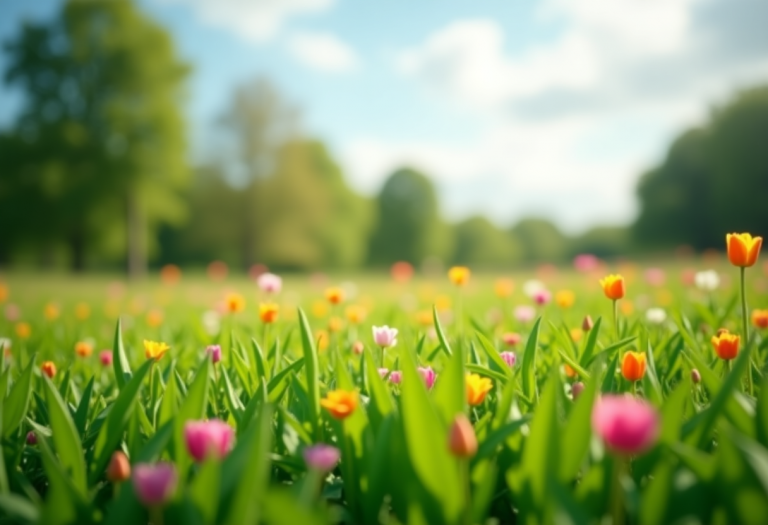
{"x": 479, "y": 243}
{"x": 101, "y": 121}
{"x": 409, "y": 226}
{"x": 540, "y": 240}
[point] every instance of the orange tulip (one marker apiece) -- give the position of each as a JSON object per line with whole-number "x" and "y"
{"x": 760, "y": 318}
{"x": 119, "y": 469}
{"x": 155, "y": 350}
{"x": 477, "y": 388}
{"x": 565, "y": 298}
{"x": 83, "y": 348}
{"x": 633, "y": 366}
{"x": 340, "y": 403}
{"x": 334, "y": 295}
{"x": 268, "y": 312}
{"x": 234, "y": 303}
{"x": 82, "y": 311}
{"x": 48, "y": 368}
{"x": 613, "y": 286}
{"x": 23, "y": 330}
{"x": 459, "y": 275}
{"x": 503, "y": 288}
{"x": 462, "y": 441}
{"x": 743, "y": 249}
{"x": 726, "y": 344}
{"x": 569, "y": 371}
{"x": 355, "y": 313}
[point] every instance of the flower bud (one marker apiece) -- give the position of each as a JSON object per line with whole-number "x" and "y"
{"x": 587, "y": 324}
{"x": 695, "y": 376}
{"x": 119, "y": 469}
{"x": 576, "y": 389}
{"x": 31, "y": 438}
{"x": 462, "y": 441}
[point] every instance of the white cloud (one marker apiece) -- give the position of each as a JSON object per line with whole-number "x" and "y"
{"x": 253, "y": 20}
{"x": 323, "y": 51}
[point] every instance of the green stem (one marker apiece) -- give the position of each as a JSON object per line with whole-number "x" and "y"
{"x": 464, "y": 466}
{"x": 156, "y": 515}
{"x": 634, "y": 388}
{"x": 616, "y": 318}
{"x": 617, "y": 507}
{"x": 745, "y": 321}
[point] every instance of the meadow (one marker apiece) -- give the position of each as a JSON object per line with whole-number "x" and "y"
{"x": 553, "y": 395}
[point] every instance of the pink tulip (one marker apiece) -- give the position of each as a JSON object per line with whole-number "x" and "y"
{"x": 105, "y": 356}
{"x": 154, "y": 484}
{"x": 321, "y": 457}
{"x": 396, "y": 377}
{"x": 215, "y": 352}
{"x": 542, "y": 297}
{"x": 384, "y": 336}
{"x": 509, "y": 357}
{"x": 383, "y": 372}
{"x": 428, "y": 375}
{"x": 585, "y": 262}
{"x": 204, "y": 437}
{"x": 627, "y": 425}
{"x": 655, "y": 276}
{"x": 524, "y": 313}
{"x": 511, "y": 338}
{"x": 269, "y": 283}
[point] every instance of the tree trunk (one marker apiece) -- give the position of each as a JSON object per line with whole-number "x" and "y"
{"x": 136, "y": 258}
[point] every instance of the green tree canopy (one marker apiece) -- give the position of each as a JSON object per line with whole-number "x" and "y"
{"x": 479, "y": 243}
{"x": 541, "y": 241}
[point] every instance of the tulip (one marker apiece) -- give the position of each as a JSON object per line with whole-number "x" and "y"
{"x": 170, "y": 274}
{"x": 155, "y": 350}
{"x": 105, "y": 357}
{"x": 269, "y": 283}
{"x": 743, "y": 249}
{"x": 12, "y": 312}
{"x": 627, "y": 425}
{"x": 358, "y": 347}
{"x": 48, "y": 368}
{"x": 586, "y": 262}
{"x": 215, "y": 352}
{"x": 208, "y": 437}
{"x": 565, "y": 298}
{"x": 459, "y": 275}
{"x": 462, "y": 441}
{"x": 234, "y": 303}
{"x": 587, "y": 324}
{"x": 524, "y": 313}
{"x": 384, "y": 336}
{"x": 428, "y": 375}
{"x": 155, "y": 318}
{"x": 726, "y": 344}
{"x": 321, "y": 457}
{"x": 401, "y": 271}
{"x": 154, "y": 484}
{"x": 119, "y": 469}
{"x": 655, "y": 315}
{"x": 613, "y": 287}
{"x": 51, "y": 311}
{"x": 396, "y": 377}
{"x": 503, "y": 288}
{"x": 655, "y": 276}
{"x": 511, "y": 338}
{"x": 383, "y": 372}
{"x": 707, "y": 280}
{"x": 760, "y": 318}
{"x": 268, "y": 312}
{"x": 31, "y": 438}
{"x": 542, "y": 297}
{"x": 576, "y": 389}
{"x": 83, "y": 348}
{"x": 695, "y": 376}
{"x": 508, "y": 357}
{"x": 23, "y": 330}
{"x": 340, "y": 403}
{"x": 633, "y": 366}
{"x": 477, "y": 388}
{"x": 570, "y": 372}
{"x": 355, "y": 314}
{"x": 334, "y": 295}
{"x": 82, "y": 311}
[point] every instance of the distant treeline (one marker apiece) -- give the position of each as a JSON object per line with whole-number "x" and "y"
{"x": 95, "y": 173}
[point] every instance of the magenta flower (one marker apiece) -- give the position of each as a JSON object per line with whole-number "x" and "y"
{"x": 524, "y": 313}
{"x": 154, "y": 484}
{"x": 542, "y": 297}
{"x": 627, "y": 425}
{"x": 215, "y": 352}
{"x": 586, "y": 262}
{"x": 396, "y": 377}
{"x": 428, "y": 375}
{"x": 269, "y": 283}
{"x": 509, "y": 357}
{"x": 105, "y": 356}
{"x": 384, "y": 336}
{"x": 383, "y": 372}
{"x": 204, "y": 437}
{"x": 322, "y": 457}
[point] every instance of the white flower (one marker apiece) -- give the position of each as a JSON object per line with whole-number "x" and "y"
{"x": 532, "y": 286}
{"x": 211, "y": 322}
{"x": 4, "y": 343}
{"x": 707, "y": 280}
{"x": 656, "y": 315}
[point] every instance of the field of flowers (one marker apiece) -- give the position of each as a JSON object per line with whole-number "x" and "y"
{"x": 621, "y": 393}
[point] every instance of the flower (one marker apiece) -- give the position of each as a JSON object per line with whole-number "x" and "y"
{"x": 524, "y": 313}
{"x": 396, "y": 377}
{"x": 459, "y": 275}
{"x": 3, "y": 292}
{"x": 208, "y": 437}
{"x": 585, "y": 262}
{"x": 587, "y": 324}
{"x": 358, "y": 347}
{"x": 503, "y": 288}
{"x": 48, "y": 368}
{"x": 154, "y": 484}
{"x": 119, "y": 469}
{"x": 334, "y": 295}
{"x": 154, "y": 349}
{"x": 384, "y": 336}
{"x": 743, "y": 249}
{"x": 760, "y": 318}
{"x": 268, "y": 312}
{"x": 477, "y": 388}
{"x": 627, "y": 425}
{"x": 82, "y": 311}
{"x": 542, "y": 297}
{"x": 695, "y": 376}
{"x": 707, "y": 280}
{"x": 569, "y": 371}
{"x": 726, "y": 344}
{"x": 155, "y": 317}
{"x": 321, "y": 457}
{"x": 340, "y": 403}
{"x": 211, "y": 322}
{"x": 322, "y": 339}
{"x": 428, "y": 375}
{"x": 508, "y": 357}
{"x": 462, "y": 441}
{"x": 576, "y": 389}
{"x": 269, "y": 283}
{"x": 234, "y": 302}
{"x": 355, "y": 313}
{"x": 83, "y": 348}
{"x": 383, "y": 372}
{"x": 105, "y": 357}
{"x": 170, "y": 274}
{"x": 655, "y": 276}
{"x": 633, "y": 366}
{"x": 401, "y": 271}
{"x": 655, "y": 315}
{"x": 576, "y": 334}
{"x": 531, "y": 286}
{"x": 565, "y": 298}
{"x": 31, "y": 438}
{"x": 335, "y": 324}
{"x": 12, "y": 312}
{"x": 511, "y": 338}
{"x": 51, "y": 311}
{"x": 23, "y": 330}
{"x": 613, "y": 286}
{"x": 217, "y": 270}
{"x": 215, "y": 352}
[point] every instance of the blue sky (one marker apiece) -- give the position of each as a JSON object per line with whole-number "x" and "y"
{"x": 549, "y": 107}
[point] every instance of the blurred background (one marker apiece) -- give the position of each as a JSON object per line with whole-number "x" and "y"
{"x": 334, "y": 135}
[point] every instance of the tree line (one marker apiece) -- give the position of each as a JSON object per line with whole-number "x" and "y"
{"x": 95, "y": 173}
